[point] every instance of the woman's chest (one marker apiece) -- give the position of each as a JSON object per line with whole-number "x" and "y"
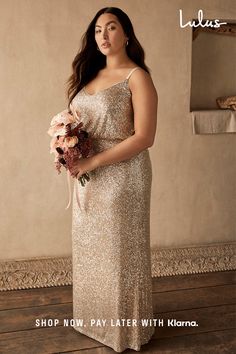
{"x": 109, "y": 112}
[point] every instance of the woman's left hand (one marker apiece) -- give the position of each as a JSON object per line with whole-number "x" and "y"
{"x": 83, "y": 165}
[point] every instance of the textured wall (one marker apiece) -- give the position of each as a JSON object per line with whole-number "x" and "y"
{"x": 193, "y": 195}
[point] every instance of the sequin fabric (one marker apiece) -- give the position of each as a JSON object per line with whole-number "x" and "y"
{"x": 111, "y": 255}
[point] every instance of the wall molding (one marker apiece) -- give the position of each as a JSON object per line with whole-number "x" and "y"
{"x": 57, "y": 271}
{"x": 194, "y": 259}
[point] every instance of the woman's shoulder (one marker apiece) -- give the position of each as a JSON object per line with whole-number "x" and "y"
{"x": 139, "y": 75}
{"x": 138, "y": 71}
{"x": 132, "y": 65}
{"x": 141, "y": 80}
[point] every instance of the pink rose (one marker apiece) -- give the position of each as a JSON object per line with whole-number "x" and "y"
{"x": 63, "y": 118}
{"x": 59, "y": 122}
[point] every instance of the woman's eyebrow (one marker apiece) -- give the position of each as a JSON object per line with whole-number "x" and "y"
{"x": 105, "y": 24}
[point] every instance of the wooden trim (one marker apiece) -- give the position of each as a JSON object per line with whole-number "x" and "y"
{"x": 229, "y": 30}
{"x": 57, "y": 271}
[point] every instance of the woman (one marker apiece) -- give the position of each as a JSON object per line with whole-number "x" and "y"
{"x": 112, "y": 92}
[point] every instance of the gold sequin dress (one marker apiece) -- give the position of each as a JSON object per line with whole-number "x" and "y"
{"x": 111, "y": 232}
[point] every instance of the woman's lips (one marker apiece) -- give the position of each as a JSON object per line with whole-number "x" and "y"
{"x": 106, "y": 45}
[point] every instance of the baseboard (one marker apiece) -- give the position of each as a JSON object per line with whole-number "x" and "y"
{"x": 194, "y": 259}
{"x": 56, "y": 271}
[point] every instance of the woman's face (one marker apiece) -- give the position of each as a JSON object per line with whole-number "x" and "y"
{"x": 108, "y": 30}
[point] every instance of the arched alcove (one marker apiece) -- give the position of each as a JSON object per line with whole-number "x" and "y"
{"x": 213, "y": 75}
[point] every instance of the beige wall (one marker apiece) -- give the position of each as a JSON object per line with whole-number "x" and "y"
{"x": 213, "y": 69}
{"x": 193, "y": 195}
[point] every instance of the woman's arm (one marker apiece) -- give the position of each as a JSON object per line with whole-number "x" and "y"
{"x": 145, "y": 101}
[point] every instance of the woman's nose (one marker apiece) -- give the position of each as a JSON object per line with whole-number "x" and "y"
{"x": 105, "y": 34}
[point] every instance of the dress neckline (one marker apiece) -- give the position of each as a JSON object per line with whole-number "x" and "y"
{"x": 107, "y": 88}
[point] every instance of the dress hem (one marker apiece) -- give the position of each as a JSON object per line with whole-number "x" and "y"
{"x": 97, "y": 338}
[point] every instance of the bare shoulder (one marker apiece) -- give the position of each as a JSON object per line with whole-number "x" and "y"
{"x": 140, "y": 81}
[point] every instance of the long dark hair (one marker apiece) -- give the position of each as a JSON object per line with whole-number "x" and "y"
{"x": 89, "y": 60}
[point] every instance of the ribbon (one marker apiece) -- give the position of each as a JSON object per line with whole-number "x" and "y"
{"x": 76, "y": 190}
{"x": 68, "y": 172}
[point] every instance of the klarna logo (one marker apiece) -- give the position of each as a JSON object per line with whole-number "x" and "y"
{"x": 208, "y": 23}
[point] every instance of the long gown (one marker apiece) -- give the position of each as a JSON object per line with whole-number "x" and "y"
{"x": 111, "y": 255}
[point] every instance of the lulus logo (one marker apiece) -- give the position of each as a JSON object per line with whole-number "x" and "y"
{"x": 208, "y": 23}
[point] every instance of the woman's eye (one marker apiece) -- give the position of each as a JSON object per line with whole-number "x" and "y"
{"x": 109, "y": 28}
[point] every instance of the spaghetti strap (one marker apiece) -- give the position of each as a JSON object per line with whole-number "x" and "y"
{"x": 132, "y": 72}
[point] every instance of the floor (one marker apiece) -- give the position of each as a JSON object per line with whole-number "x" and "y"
{"x": 208, "y": 299}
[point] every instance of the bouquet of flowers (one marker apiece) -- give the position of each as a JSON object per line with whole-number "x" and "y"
{"x": 69, "y": 141}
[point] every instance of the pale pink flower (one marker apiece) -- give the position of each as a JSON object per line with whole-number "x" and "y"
{"x": 57, "y": 142}
{"x": 56, "y": 130}
{"x": 63, "y": 118}
{"x": 53, "y": 145}
{"x": 59, "y": 122}
{"x": 56, "y": 157}
{"x": 71, "y": 141}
